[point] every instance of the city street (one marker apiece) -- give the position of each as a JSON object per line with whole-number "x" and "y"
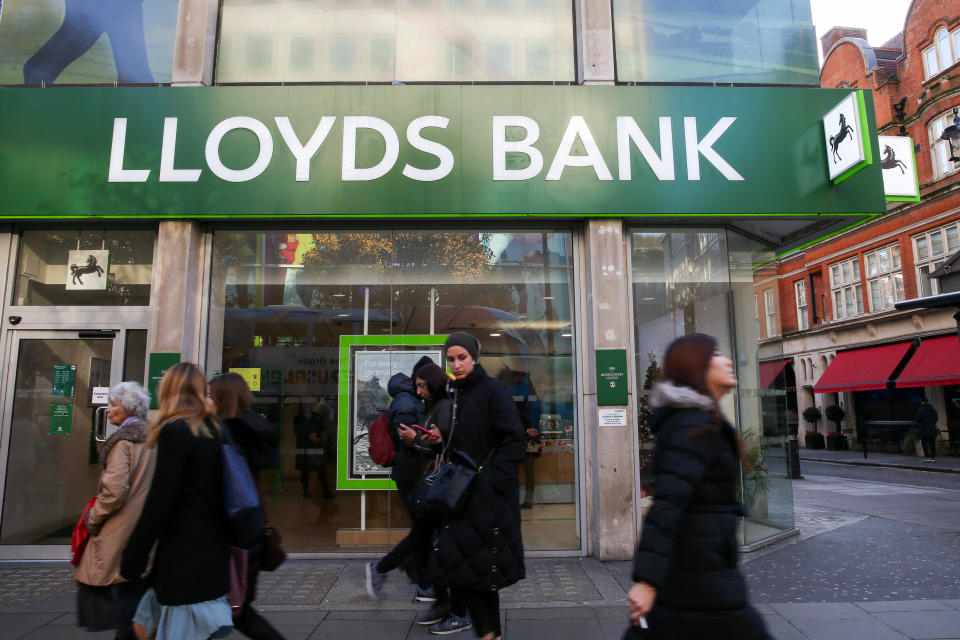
{"x": 875, "y": 558}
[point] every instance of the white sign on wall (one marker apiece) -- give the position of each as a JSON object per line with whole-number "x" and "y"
{"x": 899, "y": 167}
{"x": 843, "y": 136}
{"x": 87, "y": 269}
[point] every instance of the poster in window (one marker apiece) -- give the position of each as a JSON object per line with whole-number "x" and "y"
{"x": 372, "y": 373}
{"x": 899, "y": 167}
{"x": 87, "y": 270}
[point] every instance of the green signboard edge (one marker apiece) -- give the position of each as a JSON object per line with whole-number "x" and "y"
{"x": 344, "y": 481}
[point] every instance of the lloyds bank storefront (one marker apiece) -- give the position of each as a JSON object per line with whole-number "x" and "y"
{"x": 318, "y": 238}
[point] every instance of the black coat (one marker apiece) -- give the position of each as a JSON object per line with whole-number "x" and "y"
{"x": 927, "y": 421}
{"x": 688, "y": 547}
{"x": 256, "y": 440}
{"x": 483, "y": 550}
{"x": 185, "y": 516}
{"x": 406, "y": 409}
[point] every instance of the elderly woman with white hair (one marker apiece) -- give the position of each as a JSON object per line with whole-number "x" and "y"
{"x": 104, "y": 599}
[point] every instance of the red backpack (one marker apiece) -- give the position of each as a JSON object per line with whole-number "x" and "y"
{"x": 381, "y": 445}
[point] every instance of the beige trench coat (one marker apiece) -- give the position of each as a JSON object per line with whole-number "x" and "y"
{"x": 122, "y": 490}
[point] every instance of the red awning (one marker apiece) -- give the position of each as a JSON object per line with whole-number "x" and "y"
{"x": 863, "y": 369}
{"x": 769, "y": 372}
{"x": 936, "y": 362}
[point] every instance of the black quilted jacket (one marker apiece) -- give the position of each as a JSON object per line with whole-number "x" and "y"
{"x": 483, "y": 550}
{"x": 688, "y": 546}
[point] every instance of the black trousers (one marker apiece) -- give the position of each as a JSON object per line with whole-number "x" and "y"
{"x": 416, "y": 545}
{"x": 929, "y": 447}
{"x": 249, "y": 622}
{"x": 483, "y": 607}
{"x": 84, "y": 21}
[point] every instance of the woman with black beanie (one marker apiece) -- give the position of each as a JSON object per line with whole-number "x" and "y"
{"x": 481, "y": 551}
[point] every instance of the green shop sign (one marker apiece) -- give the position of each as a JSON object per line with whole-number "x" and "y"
{"x": 423, "y": 150}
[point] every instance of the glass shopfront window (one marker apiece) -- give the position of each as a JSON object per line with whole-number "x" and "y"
{"x": 309, "y": 309}
{"x": 687, "y": 281}
{"x": 395, "y": 40}
{"x": 84, "y": 42}
{"x": 100, "y": 267}
{"x": 754, "y": 42}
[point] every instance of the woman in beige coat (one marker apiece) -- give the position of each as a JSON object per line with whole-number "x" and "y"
{"x": 104, "y": 599}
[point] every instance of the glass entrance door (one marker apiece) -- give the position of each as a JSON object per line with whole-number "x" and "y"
{"x": 54, "y": 416}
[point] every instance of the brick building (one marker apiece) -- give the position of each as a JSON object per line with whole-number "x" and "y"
{"x": 830, "y": 306}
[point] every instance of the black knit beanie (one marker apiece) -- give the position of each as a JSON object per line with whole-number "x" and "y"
{"x": 465, "y": 340}
{"x": 422, "y": 362}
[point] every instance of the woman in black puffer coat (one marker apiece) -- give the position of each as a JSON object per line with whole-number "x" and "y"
{"x": 688, "y": 585}
{"x": 481, "y": 552}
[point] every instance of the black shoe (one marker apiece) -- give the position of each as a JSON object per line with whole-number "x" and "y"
{"x": 307, "y": 494}
{"x": 328, "y": 495}
{"x": 526, "y": 504}
{"x": 432, "y": 616}
{"x": 425, "y": 594}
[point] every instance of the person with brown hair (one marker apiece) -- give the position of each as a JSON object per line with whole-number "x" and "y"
{"x": 184, "y": 516}
{"x": 257, "y": 442}
{"x": 685, "y": 567}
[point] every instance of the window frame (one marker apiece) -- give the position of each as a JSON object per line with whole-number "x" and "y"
{"x": 940, "y": 149}
{"x": 770, "y": 312}
{"x": 803, "y": 314}
{"x": 926, "y": 265}
{"x": 951, "y": 39}
{"x": 846, "y": 293}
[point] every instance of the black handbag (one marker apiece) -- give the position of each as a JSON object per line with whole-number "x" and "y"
{"x": 446, "y": 492}
{"x": 449, "y": 492}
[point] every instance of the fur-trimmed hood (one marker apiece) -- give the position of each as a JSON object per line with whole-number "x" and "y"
{"x": 136, "y": 431}
{"x": 669, "y": 395}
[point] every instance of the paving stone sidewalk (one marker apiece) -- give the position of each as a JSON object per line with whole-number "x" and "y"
{"x": 562, "y": 598}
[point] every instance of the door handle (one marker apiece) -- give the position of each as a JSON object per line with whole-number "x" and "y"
{"x": 100, "y": 424}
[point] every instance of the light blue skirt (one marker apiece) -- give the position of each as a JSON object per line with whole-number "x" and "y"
{"x": 210, "y": 619}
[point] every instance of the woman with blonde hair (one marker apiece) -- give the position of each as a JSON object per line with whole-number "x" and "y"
{"x": 184, "y": 515}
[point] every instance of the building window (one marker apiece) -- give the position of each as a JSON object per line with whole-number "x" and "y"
{"x": 884, "y": 278}
{"x": 940, "y": 149}
{"x": 756, "y": 308}
{"x": 930, "y": 249}
{"x": 941, "y": 54}
{"x": 800, "y": 287}
{"x": 770, "y": 309}
{"x": 846, "y": 289}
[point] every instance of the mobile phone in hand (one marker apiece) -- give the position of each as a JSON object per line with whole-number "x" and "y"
{"x": 419, "y": 428}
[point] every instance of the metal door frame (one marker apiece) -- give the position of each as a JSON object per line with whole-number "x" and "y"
{"x": 11, "y": 358}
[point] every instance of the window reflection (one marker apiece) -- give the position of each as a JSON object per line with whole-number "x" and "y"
{"x": 703, "y": 281}
{"x": 765, "y": 41}
{"x": 281, "y": 302}
{"x": 403, "y": 40}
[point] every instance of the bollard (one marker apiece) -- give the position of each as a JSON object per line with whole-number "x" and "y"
{"x": 793, "y": 458}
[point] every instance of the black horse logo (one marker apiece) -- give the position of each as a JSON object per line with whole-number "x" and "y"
{"x": 845, "y": 130}
{"x": 890, "y": 160}
{"x": 90, "y": 267}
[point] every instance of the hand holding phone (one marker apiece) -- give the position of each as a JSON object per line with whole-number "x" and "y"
{"x": 419, "y": 428}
